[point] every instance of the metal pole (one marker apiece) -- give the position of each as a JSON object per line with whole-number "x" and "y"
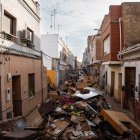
{"x": 54, "y": 19}
{"x": 58, "y": 28}
{"x": 42, "y": 75}
{"x": 51, "y": 23}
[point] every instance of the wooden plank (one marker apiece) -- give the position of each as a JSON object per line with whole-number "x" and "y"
{"x": 116, "y": 119}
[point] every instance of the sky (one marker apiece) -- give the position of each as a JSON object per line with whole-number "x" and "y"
{"x": 76, "y": 20}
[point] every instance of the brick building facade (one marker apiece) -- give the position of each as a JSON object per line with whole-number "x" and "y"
{"x": 120, "y": 32}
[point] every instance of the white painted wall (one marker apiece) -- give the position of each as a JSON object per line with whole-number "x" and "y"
{"x": 49, "y": 46}
{"x": 24, "y": 17}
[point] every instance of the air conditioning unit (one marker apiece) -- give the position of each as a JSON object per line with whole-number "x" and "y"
{"x": 25, "y": 35}
{"x": 9, "y": 77}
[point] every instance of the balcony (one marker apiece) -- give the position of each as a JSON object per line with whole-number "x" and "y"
{"x": 9, "y": 37}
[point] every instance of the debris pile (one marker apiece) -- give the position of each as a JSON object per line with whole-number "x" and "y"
{"x": 83, "y": 114}
{"x": 78, "y": 112}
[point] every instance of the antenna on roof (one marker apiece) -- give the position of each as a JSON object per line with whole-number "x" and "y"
{"x": 58, "y": 28}
{"x": 54, "y": 19}
{"x": 51, "y": 23}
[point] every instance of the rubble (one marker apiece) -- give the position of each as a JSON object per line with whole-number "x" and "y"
{"x": 120, "y": 122}
{"x": 74, "y": 113}
{"x": 17, "y": 128}
{"x": 78, "y": 115}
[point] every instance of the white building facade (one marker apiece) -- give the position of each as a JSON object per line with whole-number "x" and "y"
{"x": 56, "y": 56}
{"x": 20, "y": 57}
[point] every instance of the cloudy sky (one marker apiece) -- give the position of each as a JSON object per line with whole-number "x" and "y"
{"x": 77, "y": 19}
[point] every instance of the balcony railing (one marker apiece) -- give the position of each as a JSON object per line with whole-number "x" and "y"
{"x": 9, "y": 37}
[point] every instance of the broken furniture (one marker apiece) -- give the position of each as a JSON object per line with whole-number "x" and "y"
{"x": 45, "y": 108}
{"x": 14, "y": 129}
{"x": 120, "y": 122}
{"x": 56, "y": 129}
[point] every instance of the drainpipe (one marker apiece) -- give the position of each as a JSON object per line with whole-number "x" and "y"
{"x": 120, "y": 29}
{"x": 42, "y": 75}
{"x": 119, "y": 56}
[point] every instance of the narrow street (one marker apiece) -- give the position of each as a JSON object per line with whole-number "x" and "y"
{"x": 77, "y": 110}
{"x": 85, "y": 112}
{"x": 69, "y": 70}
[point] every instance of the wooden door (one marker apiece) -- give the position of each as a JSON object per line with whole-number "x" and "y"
{"x": 130, "y": 79}
{"x": 112, "y": 83}
{"x": 119, "y": 87}
{"x": 16, "y": 94}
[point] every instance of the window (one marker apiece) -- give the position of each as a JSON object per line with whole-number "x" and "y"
{"x": 31, "y": 84}
{"x": 9, "y": 25}
{"x": 107, "y": 45}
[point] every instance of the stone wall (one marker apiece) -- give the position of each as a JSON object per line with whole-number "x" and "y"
{"x": 131, "y": 23}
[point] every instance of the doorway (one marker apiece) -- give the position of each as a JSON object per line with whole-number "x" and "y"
{"x": 112, "y": 83}
{"x": 16, "y": 94}
{"x": 120, "y": 88}
{"x": 130, "y": 78}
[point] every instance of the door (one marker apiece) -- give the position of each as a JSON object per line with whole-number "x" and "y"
{"x": 16, "y": 94}
{"x": 130, "y": 78}
{"x": 112, "y": 83}
{"x": 120, "y": 88}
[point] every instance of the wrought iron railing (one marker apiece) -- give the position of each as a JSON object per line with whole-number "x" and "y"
{"x": 9, "y": 37}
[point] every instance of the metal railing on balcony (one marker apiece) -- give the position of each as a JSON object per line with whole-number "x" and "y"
{"x": 9, "y": 37}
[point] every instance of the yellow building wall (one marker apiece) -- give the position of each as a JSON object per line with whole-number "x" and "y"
{"x": 117, "y": 70}
{"x": 51, "y": 74}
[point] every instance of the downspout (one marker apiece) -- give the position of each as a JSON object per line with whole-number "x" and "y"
{"x": 120, "y": 30}
{"x": 42, "y": 76}
{"x": 119, "y": 56}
